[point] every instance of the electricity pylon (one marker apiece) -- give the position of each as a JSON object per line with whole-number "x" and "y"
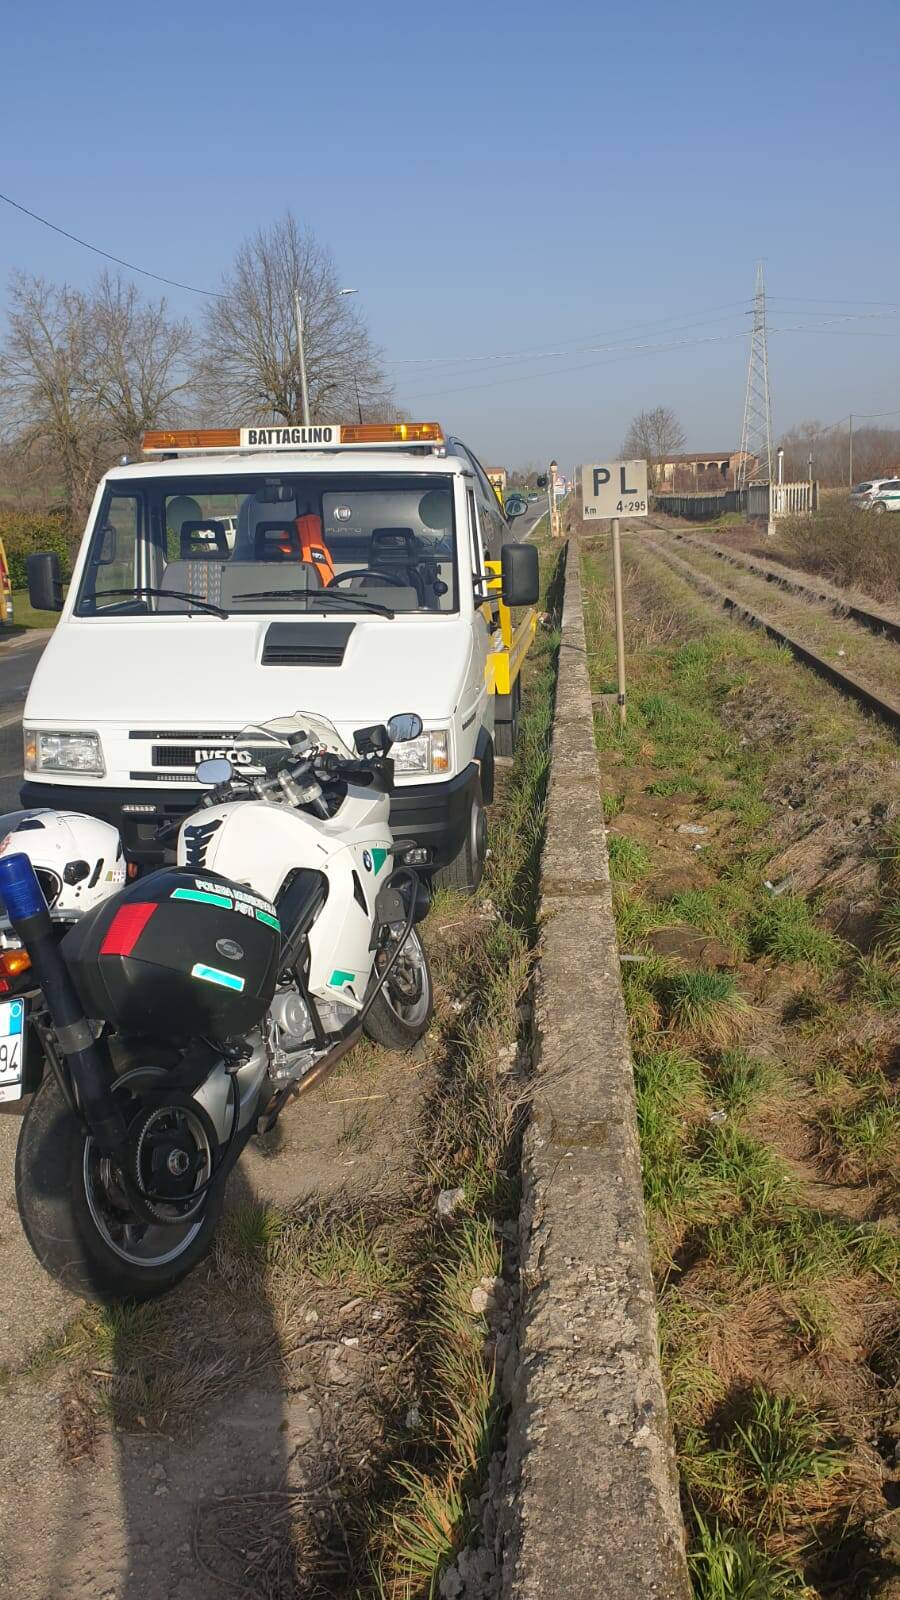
{"x": 756, "y": 434}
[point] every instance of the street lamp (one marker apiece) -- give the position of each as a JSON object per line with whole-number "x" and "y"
{"x": 301, "y": 351}
{"x": 355, "y": 378}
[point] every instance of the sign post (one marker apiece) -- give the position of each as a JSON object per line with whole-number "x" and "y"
{"x": 616, "y": 489}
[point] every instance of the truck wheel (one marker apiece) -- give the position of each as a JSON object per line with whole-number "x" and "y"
{"x": 506, "y": 734}
{"x": 402, "y": 1012}
{"x": 466, "y": 869}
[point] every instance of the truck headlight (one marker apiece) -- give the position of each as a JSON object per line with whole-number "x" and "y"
{"x": 63, "y": 752}
{"x": 429, "y": 753}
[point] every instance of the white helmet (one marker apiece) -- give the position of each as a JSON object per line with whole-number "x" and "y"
{"x": 78, "y": 860}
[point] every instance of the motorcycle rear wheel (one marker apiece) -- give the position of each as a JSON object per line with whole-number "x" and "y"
{"x": 79, "y": 1228}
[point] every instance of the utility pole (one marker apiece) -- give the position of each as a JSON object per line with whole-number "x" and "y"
{"x": 304, "y": 391}
{"x": 851, "y": 450}
{"x": 358, "y": 401}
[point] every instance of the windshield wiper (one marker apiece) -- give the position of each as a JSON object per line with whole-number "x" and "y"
{"x": 317, "y": 597}
{"x": 170, "y": 594}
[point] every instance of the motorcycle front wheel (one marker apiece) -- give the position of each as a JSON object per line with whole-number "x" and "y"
{"x": 75, "y": 1212}
{"x": 402, "y": 1011}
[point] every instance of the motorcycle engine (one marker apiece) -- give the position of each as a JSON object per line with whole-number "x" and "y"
{"x": 289, "y": 1035}
{"x": 289, "y": 1030}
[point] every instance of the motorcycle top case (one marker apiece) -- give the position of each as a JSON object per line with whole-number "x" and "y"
{"x": 177, "y": 954}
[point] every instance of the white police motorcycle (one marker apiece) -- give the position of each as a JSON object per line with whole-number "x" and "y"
{"x": 182, "y": 1012}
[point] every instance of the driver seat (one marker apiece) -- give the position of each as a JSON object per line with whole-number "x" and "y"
{"x": 396, "y": 550}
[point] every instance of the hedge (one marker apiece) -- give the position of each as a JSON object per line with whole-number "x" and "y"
{"x": 24, "y": 532}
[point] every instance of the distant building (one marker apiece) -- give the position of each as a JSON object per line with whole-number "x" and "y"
{"x": 706, "y": 469}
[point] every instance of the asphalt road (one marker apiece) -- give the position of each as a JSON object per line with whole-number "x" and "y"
{"x": 17, "y": 663}
{"x": 525, "y": 525}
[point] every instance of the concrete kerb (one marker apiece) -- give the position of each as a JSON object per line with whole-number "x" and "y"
{"x": 590, "y": 1502}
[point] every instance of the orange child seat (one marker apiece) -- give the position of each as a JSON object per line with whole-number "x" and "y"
{"x": 313, "y": 547}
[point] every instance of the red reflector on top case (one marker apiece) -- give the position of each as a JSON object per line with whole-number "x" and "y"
{"x": 126, "y": 928}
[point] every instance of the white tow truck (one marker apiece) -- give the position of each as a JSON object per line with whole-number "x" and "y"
{"x": 236, "y": 575}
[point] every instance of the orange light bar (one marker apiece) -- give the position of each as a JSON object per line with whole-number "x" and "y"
{"x": 391, "y": 433}
{"x": 292, "y": 436}
{"x": 192, "y": 439}
{"x": 12, "y": 962}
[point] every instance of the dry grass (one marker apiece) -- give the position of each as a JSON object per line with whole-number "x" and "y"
{"x": 850, "y": 547}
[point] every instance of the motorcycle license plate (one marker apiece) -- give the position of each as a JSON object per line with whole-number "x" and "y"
{"x": 12, "y": 1048}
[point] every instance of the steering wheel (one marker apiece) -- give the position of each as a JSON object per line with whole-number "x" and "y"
{"x": 411, "y": 581}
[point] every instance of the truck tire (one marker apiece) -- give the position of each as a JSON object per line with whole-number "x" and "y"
{"x": 466, "y": 869}
{"x": 506, "y": 734}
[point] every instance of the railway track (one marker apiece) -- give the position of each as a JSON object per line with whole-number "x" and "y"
{"x": 875, "y": 699}
{"x": 802, "y": 583}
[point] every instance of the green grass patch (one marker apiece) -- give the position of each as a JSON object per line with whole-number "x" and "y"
{"x": 635, "y": 917}
{"x": 865, "y": 1137}
{"x": 628, "y": 859}
{"x": 706, "y": 1005}
{"x": 726, "y": 1564}
{"x": 25, "y": 616}
{"x": 774, "y": 1459}
{"x": 889, "y": 932}
{"x": 720, "y": 910}
{"x": 878, "y": 982}
{"x": 738, "y": 1080}
{"x": 783, "y": 928}
{"x": 785, "y": 1246}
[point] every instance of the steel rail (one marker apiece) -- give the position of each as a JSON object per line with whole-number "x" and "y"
{"x": 882, "y": 705}
{"x": 803, "y": 583}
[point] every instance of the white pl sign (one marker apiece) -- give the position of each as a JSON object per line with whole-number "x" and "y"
{"x": 614, "y": 489}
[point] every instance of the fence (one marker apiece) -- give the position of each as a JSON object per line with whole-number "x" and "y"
{"x": 766, "y": 500}
{"x": 701, "y": 507}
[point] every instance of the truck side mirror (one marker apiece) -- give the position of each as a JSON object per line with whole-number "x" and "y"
{"x": 44, "y": 581}
{"x": 520, "y": 580}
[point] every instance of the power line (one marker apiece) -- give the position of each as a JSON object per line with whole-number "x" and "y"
{"x": 616, "y": 353}
{"x": 572, "y": 346}
{"x": 172, "y": 282}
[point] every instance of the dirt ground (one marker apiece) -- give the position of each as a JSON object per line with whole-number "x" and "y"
{"x": 140, "y": 1513}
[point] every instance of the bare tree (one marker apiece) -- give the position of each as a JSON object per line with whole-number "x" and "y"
{"x": 654, "y": 436}
{"x": 250, "y": 359}
{"x": 140, "y": 361}
{"x": 46, "y": 393}
{"x": 82, "y": 376}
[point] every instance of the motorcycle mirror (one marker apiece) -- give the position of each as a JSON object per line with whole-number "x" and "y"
{"x": 373, "y": 741}
{"x": 215, "y": 771}
{"x": 403, "y": 726}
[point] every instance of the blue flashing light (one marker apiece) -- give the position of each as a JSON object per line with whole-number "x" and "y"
{"x": 19, "y": 887}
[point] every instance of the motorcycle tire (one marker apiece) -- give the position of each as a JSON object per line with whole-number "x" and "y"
{"x": 402, "y": 1012}
{"x": 53, "y": 1205}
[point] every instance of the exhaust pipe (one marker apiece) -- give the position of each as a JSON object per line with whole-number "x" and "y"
{"x": 91, "y": 1076}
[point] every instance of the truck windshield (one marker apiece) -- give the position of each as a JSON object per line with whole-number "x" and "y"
{"x": 214, "y": 543}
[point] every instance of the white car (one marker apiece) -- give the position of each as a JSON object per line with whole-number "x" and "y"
{"x": 878, "y": 494}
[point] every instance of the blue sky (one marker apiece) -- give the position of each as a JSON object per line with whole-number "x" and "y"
{"x": 498, "y": 179}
